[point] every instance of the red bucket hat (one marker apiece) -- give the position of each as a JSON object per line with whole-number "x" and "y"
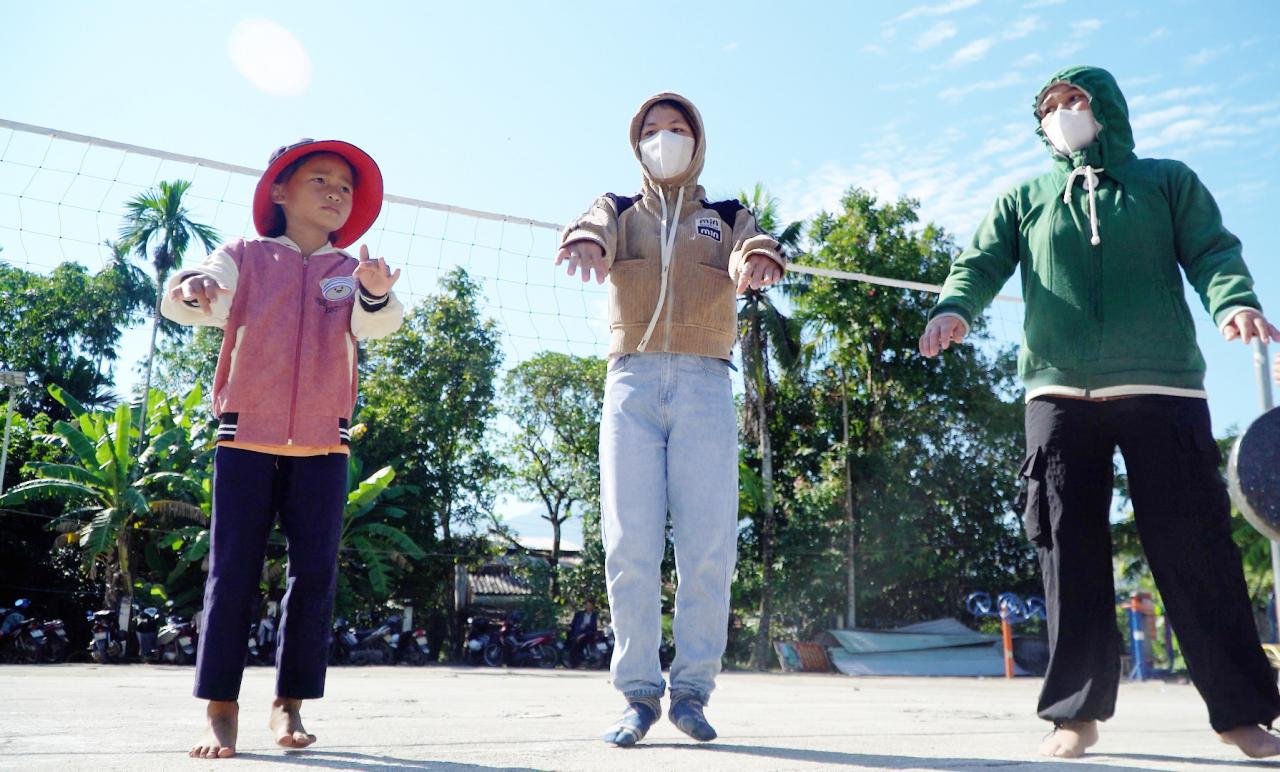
{"x": 268, "y": 218}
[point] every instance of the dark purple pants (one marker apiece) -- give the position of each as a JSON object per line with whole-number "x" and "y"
{"x": 249, "y": 491}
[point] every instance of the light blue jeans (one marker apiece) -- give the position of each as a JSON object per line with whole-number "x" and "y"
{"x": 668, "y": 442}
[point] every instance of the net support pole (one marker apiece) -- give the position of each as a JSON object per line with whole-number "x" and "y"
{"x": 8, "y": 423}
{"x": 1262, "y": 368}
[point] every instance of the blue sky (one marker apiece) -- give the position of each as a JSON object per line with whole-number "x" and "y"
{"x": 522, "y": 108}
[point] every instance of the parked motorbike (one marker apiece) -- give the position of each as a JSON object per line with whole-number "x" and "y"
{"x": 56, "y": 647}
{"x": 408, "y": 643}
{"x": 107, "y": 644}
{"x": 365, "y": 646}
{"x": 480, "y": 631}
{"x": 147, "y": 632}
{"x": 262, "y": 636}
{"x": 21, "y": 639}
{"x": 177, "y": 639}
{"x": 591, "y": 650}
{"x": 514, "y": 648}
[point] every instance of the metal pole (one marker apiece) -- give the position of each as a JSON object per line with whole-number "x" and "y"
{"x": 1263, "y": 369}
{"x": 8, "y": 423}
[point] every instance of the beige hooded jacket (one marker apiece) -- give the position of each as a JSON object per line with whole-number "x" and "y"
{"x": 696, "y": 312}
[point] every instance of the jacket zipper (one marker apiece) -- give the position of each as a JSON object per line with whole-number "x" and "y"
{"x": 671, "y": 292}
{"x": 297, "y": 346}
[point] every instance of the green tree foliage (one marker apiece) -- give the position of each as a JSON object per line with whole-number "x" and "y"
{"x": 765, "y": 333}
{"x": 63, "y": 328}
{"x": 428, "y": 404}
{"x": 187, "y": 363}
{"x": 554, "y": 400}
{"x": 928, "y": 447}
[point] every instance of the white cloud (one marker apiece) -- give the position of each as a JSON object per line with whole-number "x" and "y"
{"x": 1042, "y": 3}
{"x": 1141, "y": 80}
{"x": 1010, "y": 137}
{"x": 1028, "y": 60}
{"x": 1022, "y": 27}
{"x": 1169, "y": 95}
{"x": 1158, "y": 117}
{"x": 875, "y": 48}
{"x": 730, "y": 47}
{"x": 972, "y": 52}
{"x": 1159, "y": 33}
{"x": 1206, "y": 55}
{"x": 910, "y": 85}
{"x": 1177, "y": 131}
{"x": 941, "y": 9}
{"x": 1249, "y": 190}
{"x": 1257, "y": 109}
{"x": 956, "y": 93}
{"x": 936, "y": 34}
{"x": 953, "y": 192}
{"x": 1086, "y": 26}
{"x": 1068, "y": 50}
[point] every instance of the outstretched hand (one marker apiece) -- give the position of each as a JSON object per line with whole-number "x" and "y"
{"x": 759, "y": 271}
{"x": 374, "y": 275}
{"x": 940, "y": 333}
{"x": 585, "y": 255}
{"x": 199, "y": 288}
{"x": 1248, "y": 324}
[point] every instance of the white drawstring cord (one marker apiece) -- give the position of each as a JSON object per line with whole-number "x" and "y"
{"x": 1091, "y": 186}
{"x": 668, "y": 244}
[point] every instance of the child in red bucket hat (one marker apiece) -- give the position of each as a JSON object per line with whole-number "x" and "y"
{"x": 292, "y": 305}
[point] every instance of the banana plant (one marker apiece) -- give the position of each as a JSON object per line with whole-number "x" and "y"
{"x": 107, "y": 501}
{"x": 372, "y": 544}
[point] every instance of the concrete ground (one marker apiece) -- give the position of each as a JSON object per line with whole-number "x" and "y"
{"x": 383, "y": 718}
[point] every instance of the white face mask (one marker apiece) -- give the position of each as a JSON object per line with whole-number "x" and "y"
{"x": 666, "y": 154}
{"x": 1070, "y": 130}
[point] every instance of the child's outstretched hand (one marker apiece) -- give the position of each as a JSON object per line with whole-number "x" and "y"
{"x": 198, "y": 289}
{"x": 374, "y": 275}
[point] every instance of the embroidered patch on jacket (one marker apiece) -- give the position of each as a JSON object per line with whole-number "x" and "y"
{"x": 709, "y": 227}
{"x": 338, "y": 288}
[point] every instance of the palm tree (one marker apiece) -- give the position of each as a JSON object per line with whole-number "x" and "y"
{"x": 762, "y": 326}
{"x": 158, "y": 223}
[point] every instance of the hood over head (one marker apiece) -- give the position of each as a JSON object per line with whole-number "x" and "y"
{"x": 1114, "y": 144}
{"x": 689, "y": 178}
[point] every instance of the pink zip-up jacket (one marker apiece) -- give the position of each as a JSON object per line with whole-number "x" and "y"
{"x": 287, "y": 369}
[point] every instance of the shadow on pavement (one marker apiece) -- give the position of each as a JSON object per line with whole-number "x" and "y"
{"x": 350, "y": 760}
{"x": 874, "y": 761}
{"x": 1192, "y": 760}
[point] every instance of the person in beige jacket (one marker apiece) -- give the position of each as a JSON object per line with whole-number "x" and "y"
{"x": 668, "y": 433}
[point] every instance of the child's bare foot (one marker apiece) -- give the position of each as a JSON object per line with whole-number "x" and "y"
{"x": 286, "y": 722}
{"x": 1070, "y": 739}
{"x": 1256, "y": 742}
{"x": 219, "y": 741}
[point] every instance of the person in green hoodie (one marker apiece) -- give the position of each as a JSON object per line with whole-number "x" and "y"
{"x": 1109, "y": 359}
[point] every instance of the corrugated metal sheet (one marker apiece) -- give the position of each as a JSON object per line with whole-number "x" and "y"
{"x": 489, "y": 582}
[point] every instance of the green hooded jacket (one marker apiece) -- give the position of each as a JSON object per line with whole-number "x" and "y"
{"x": 1111, "y": 314}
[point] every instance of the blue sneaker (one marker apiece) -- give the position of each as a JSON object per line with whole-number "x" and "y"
{"x": 633, "y": 725}
{"x": 686, "y": 714}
